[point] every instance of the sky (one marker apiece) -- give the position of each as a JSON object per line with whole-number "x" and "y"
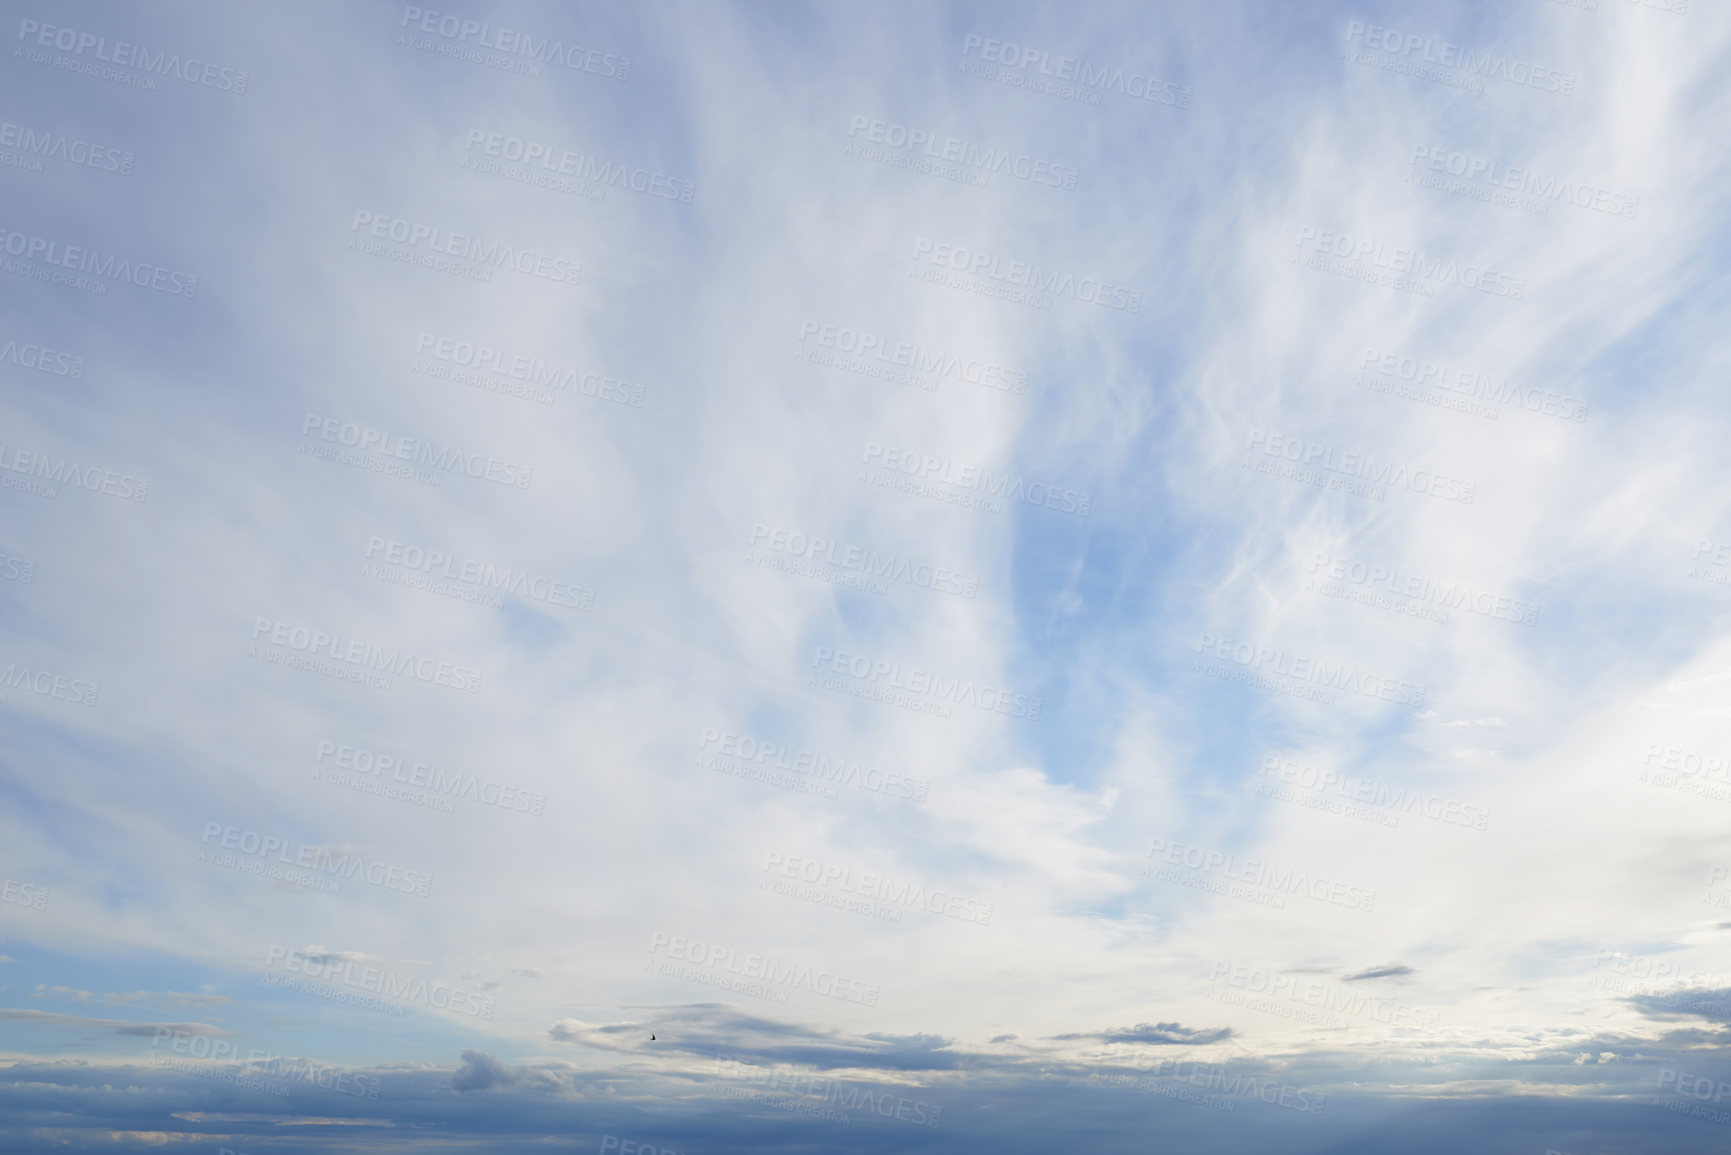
{"x": 678, "y": 578}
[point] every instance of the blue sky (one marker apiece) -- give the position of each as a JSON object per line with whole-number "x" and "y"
{"x": 1260, "y": 686}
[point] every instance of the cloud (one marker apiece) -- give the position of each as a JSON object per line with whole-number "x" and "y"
{"x": 480, "y": 1071}
{"x": 1713, "y": 1003}
{"x": 1389, "y": 971}
{"x": 320, "y": 956}
{"x": 1165, "y": 1034}
{"x": 202, "y": 1000}
{"x": 43, "y": 991}
{"x": 117, "y": 1026}
{"x": 976, "y": 771}
{"x": 717, "y": 1031}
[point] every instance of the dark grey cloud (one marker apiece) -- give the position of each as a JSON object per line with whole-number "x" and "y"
{"x": 719, "y": 1032}
{"x": 1161, "y": 1034}
{"x": 321, "y": 956}
{"x": 502, "y": 1108}
{"x": 1713, "y": 1004}
{"x": 480, "y": 1071}
{"x": 118, "y": 1026}
{"x": 1389, "y": 971}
